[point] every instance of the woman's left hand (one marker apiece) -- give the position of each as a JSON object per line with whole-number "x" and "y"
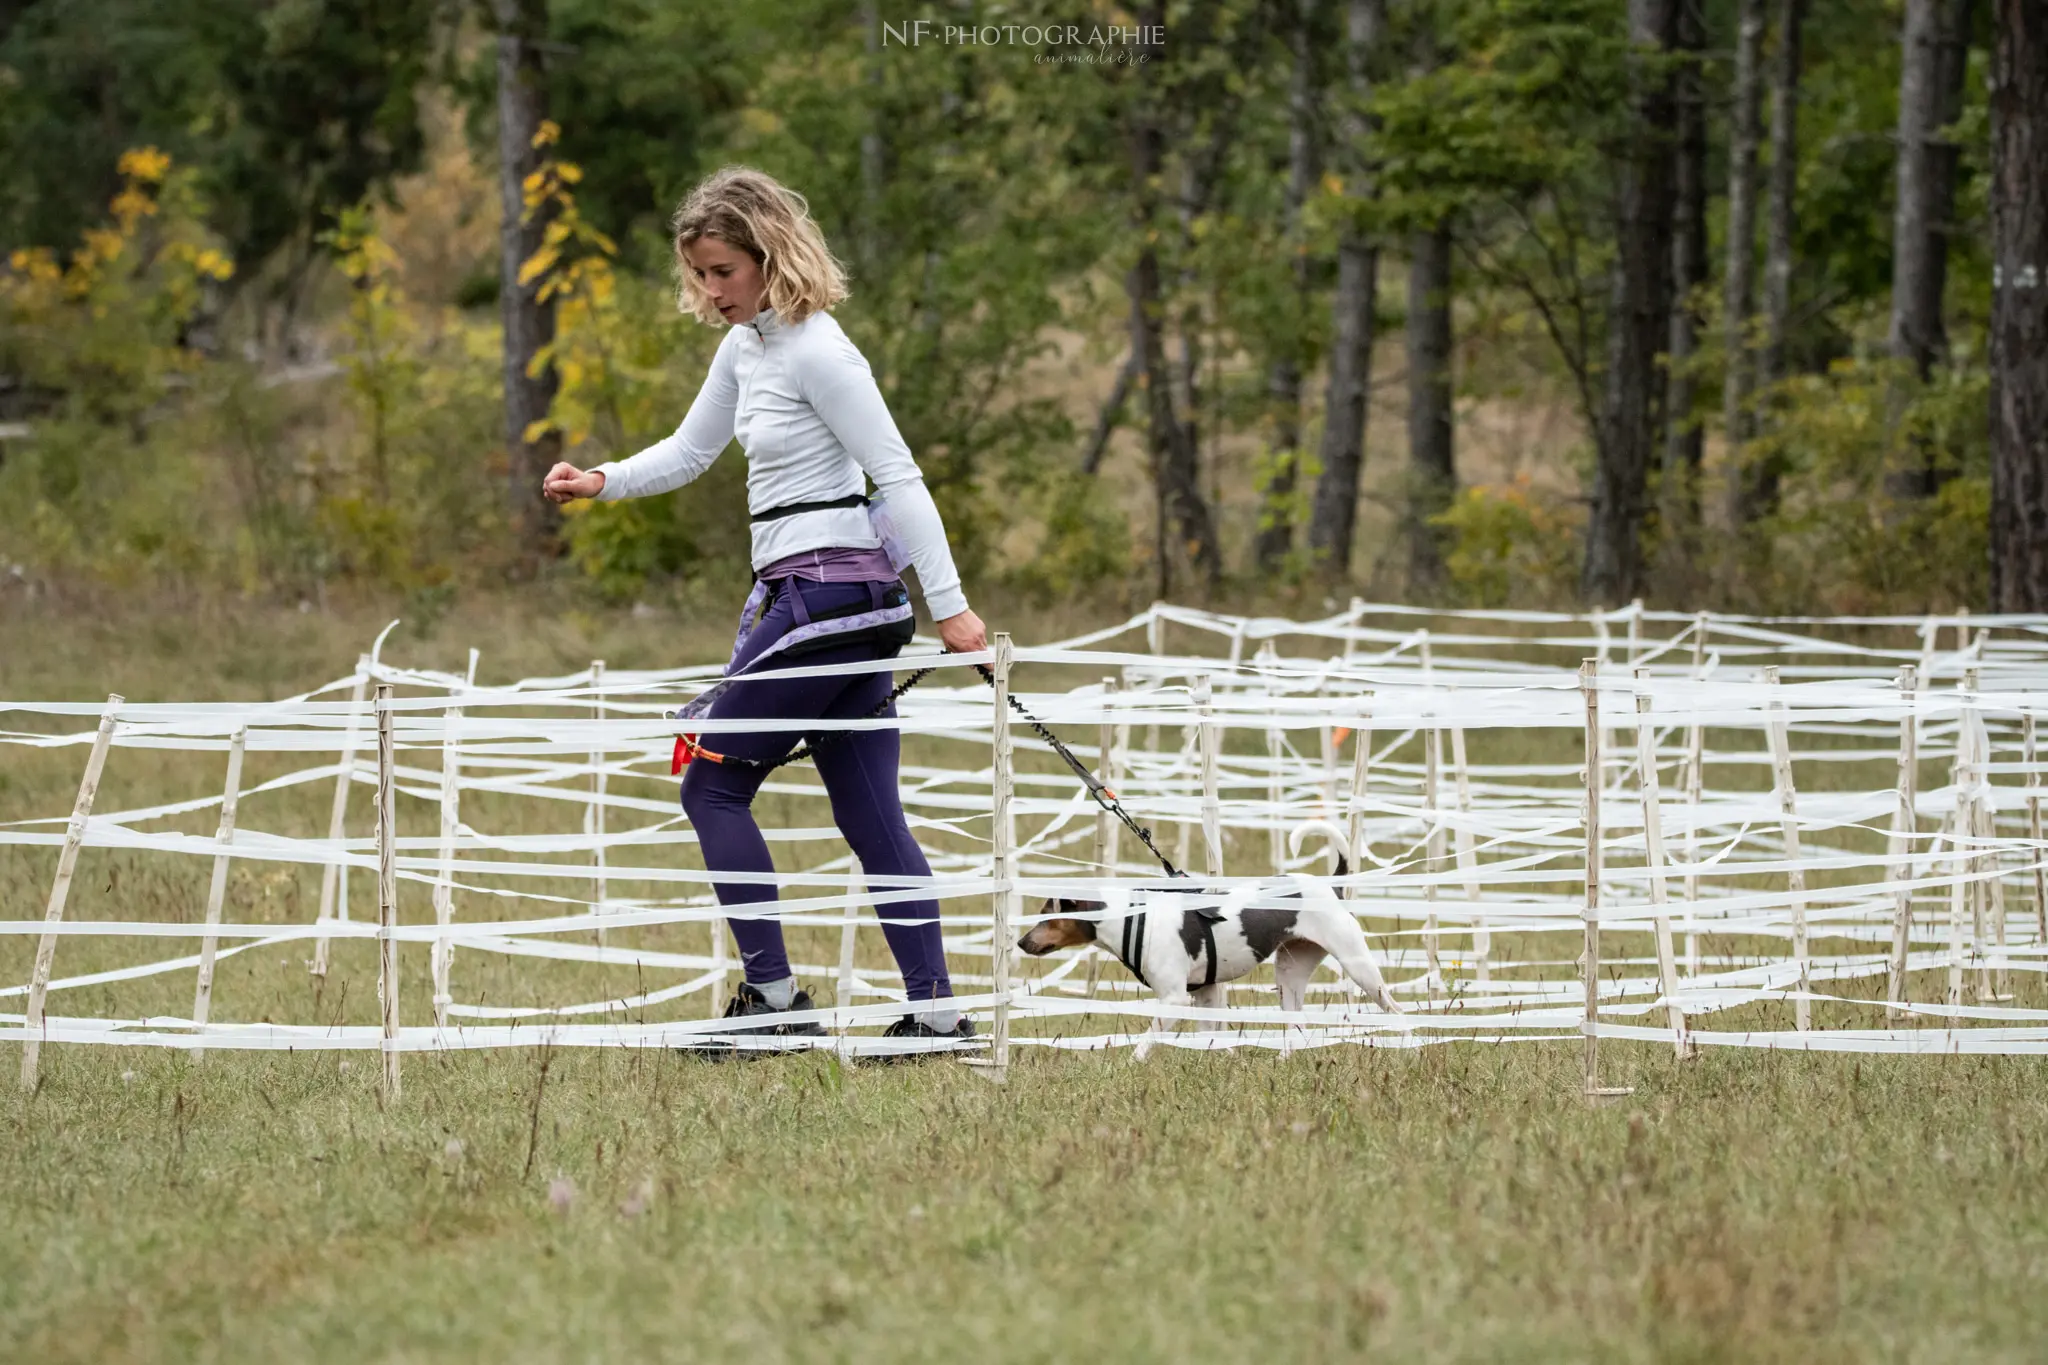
{"x": 963, "y": 633}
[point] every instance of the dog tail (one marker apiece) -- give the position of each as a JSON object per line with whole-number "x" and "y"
{"x": 1338, "y": 843}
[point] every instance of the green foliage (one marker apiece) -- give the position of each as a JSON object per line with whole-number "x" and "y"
{"x": 98, "y": 335}
{"x": 1509, "y": 544}
{"x": 288, "y": 111}
{"x": 1840, "y": 538}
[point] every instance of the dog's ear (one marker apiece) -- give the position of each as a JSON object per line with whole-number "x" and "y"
{"x": 1081, "y": 911}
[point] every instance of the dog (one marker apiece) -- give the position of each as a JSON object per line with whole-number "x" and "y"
{"x": 1187, "y": 955}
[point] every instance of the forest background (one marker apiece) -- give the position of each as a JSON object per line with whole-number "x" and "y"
{"x": 1475, "y": 302}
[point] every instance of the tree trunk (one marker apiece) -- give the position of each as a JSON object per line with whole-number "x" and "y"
{"x": 1275, "y": 536}
{"x": 1739, "y": 281}
{"x": 1170, "y": 441}
{"x": 1768, "y": 473}
{"x": 2019, "y": 307}
{"x": 1684, "y": 439}
{"x": 1640, "y": 326}
{"x": 1934, "y": 56}
{"x": 1334, "y": 514}
{"x": 528, "y": 323}
{"x": 873, "y": 150}
{"x": 1433, "y": 479}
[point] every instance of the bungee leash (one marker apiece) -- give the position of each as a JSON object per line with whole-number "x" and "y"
{"x": 687, "y": 748}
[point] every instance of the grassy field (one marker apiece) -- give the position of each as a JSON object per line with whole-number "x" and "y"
{"x": 1458, "y": 1203}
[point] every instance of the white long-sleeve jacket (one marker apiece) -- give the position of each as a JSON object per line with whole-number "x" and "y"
{"x": 811, "y": 419}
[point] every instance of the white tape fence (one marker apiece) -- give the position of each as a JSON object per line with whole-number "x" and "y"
{"x": 1834, "y": 819}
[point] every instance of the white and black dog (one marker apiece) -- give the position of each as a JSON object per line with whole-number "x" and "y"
{"x": 1186, "y": 955}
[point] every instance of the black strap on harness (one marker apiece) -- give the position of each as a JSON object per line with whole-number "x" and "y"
{"x": 1131, "y": 944}
{"x": 790, "y": 509}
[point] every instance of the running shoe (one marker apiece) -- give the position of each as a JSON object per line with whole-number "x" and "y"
{"x": 910, "y": 1026}
{"x": 747, "y": 1001}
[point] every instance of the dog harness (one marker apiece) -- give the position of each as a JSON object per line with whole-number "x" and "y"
{"x": 1131, "y": 943}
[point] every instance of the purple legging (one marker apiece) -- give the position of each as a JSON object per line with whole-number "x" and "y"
{"x": 859, "y": 772}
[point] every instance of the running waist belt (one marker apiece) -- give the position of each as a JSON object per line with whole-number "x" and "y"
{"x": 790, "y": 509}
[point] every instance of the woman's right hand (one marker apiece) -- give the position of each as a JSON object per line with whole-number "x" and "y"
{"x": 566, "y": 481}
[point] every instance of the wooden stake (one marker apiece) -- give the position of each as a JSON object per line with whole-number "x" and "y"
{"x": 1155, "y": 645}
{"x": 451, "y": 823}
{"x": 1004, "y": 837}
{"x": 1695, "y": 786}
{"x": 1589, "y": 957}
{"x": 60, "y": 891}
{"x": 855, "y": 884}
{"x": 1957, "y": 866}
{"x": 387, "y": 897}
{"x": 1276, "y": 748}
{"x": 1212, "y": 805}
{"x": 1795, "y": 875}
{"x": 597, "y": 791}
{"x": 1115, "y": 742}
{"x": 1970, "y": 759}
{"x": 2034, "y": 828}
{"x": 1653, "y": 862}
{"x": 216, "y": 893}
{"x": 1899, "y": 846}
{"x": 1361, "y": 773}
{"x": 334, "y": 877}
{"x": 1432, "y": 801}
{"x": 1468, "y": 857}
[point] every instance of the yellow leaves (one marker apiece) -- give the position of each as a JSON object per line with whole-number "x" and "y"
{"x": 537, "y": 428}
{"x": 214, "y": 263}
{"x": 548, "y": 134}
{"x": 147, "y": 164}
{"x": 1333, "y": 183}
{"x": 538, "y": 264}
{"x": 36, "y": 263}
{"x": 101, "y": 244}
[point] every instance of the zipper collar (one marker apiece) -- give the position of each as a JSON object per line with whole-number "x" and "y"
{"x": 765, "y": 322}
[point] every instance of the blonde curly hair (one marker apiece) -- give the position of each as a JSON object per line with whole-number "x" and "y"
{"x": 756, "y": 213}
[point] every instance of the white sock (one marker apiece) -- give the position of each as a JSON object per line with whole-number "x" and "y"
{"x": 777, "y": 993}
{"x": 943, "y": 1020}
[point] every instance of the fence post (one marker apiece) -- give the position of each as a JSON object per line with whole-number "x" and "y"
{"x": 1788, "y": 822}
{"x": 334, "y": 877}
{"x": 1210, "y": 738}
{"x": 1905, "y": 828}
{"x": 843, "y": 993}
{"x": 597, "y": 790}
{"x": 387, "y": 899}
{"x": 60, "y": 891}
{"x": 1970, "y": 803}
{"x": 216, "y": 892}
{"x": 1004, "y": 837}
{"x": 1589, "y": 957}
{"x": 1361, "y": 773}
{"x": 1155, "y": 645}
{"x": 2034, "y": 828}
{"x": 451, "y": 821}
{"x": 1276, "y": 748}
{"x": 1589, "y": 953}
{"x": 1468, "y": 858}
{"x": 1695, "y": 784}
{"x": 1433, "y": 861}
{"x": 1110, "y": 746}
{"x": 1653, "y": 861}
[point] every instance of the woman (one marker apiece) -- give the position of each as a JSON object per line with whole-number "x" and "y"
{"x": 801, "y": 399}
